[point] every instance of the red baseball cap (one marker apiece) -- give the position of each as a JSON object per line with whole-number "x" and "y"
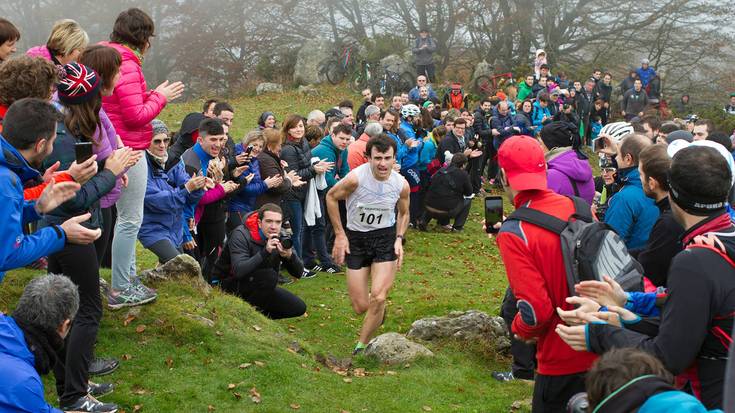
{"x": 522, "y": 159}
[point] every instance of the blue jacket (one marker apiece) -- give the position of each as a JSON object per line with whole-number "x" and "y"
{"x": 631, "y": 213}
{"x": 402, "y": 150}
{"x": 326, "y": 151}
{"x": 674, "y": 402}
{"x": 646, "y": 75}
{"x": 21, "y": 389}
{"x": 411, "y": 157}
{"x": 427, "y": 153}
{"x": 165, "y": 200}
{"x": 414, "y": 95}
{"x": 243, "y": 200}
{"x": 538, "y": 113}
{"x": 17, "y": 249}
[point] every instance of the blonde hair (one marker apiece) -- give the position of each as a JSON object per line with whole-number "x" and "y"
{"x": 252, "y": 136}
{"x": 272, "y": 137}
{"x": 66, "y": 36}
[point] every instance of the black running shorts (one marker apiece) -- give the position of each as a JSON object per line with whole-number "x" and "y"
{"x": 369, "y": 247}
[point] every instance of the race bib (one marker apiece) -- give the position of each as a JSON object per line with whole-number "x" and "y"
{"x": 375, "y": 216}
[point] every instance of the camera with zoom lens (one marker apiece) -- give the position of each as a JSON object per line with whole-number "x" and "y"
{"x": 578, "y": 403}
{"x": 285, "y": 240}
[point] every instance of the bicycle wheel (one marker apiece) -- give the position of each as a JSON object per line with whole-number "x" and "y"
{"x": 333, "y": 71}
{"x": 484, "y": 86}
{"x": 357, "y": 82}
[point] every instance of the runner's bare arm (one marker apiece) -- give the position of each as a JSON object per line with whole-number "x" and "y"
{"x": 403, "y": 202}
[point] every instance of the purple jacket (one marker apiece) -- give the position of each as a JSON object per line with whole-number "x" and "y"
{"x": 109, "y": 135}
{"x": 567, "y": 167}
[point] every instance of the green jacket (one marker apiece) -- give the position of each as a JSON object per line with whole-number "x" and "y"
{"x": 524, "y": 91}
{"x": 326, "y": 151}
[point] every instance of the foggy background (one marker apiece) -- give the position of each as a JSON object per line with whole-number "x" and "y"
{"x": 228, "y": 46}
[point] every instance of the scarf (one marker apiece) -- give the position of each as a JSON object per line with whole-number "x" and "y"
{"x": 160, "y": 160}
{"x": 135, "y": 51}
{"x": 43, "y": 345}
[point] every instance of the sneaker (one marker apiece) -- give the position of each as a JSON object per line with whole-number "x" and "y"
{"x": 315, "y": 268}
{"x": 90, "y": 404}
{"x": 308, "y": 274}
{"x": 283, "y": 280}
{"x": 101, "y": 366}
{"x": 358, "y": 351}
{"x": 99, "y": 389}
{"x": 503, "y": 376}
{"x": 135, "y": 280}
{"x": 104, "y": 287}
{"x": 131, "y": 297}
{"x": 333, "y": 269}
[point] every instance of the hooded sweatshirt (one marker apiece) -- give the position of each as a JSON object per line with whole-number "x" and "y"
{"x": 565, "y": 167}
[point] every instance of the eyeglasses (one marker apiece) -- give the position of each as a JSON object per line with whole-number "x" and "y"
{"x": 608, "y": 170}
{"x": 161, "y": 141}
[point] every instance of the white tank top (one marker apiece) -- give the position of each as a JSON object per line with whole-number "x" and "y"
{"x": 373, "y": 204}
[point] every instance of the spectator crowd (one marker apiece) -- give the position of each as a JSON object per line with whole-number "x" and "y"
{"x": 88, "y": 169}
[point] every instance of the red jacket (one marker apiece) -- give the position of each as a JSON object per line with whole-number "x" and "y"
{"x": 535, "y": 269}
{"x": 132, "y": 107}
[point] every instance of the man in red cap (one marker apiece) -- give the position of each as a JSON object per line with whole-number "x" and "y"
{"x": 535, "y": 269}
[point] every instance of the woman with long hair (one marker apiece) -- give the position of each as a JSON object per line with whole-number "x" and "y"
{"x": 132, "y": 108}
{"x": 81, "y": 102}
{"x": 297, "y": 155}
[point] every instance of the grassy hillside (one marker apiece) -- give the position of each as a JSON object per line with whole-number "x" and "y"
{"x": 171, "y": 362}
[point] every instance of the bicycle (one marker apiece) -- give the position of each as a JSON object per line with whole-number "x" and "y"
{"x": 391, "y": 83}
{"x": 335, "y": 67}
{"x": 488, "y": 85}
{"x": 361, "y": 78}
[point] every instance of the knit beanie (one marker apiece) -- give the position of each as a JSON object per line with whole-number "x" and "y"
{"x": 679, "y": 134}
{"x": 159, "y": 127}
{"x": 562, "y": 134}
{"x": 77, "y": 84}
{"x": 264, "y": 117}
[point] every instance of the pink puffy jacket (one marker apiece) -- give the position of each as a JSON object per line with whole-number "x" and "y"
{"x": 132, "y": 107}
{"x": 40, "y": 51}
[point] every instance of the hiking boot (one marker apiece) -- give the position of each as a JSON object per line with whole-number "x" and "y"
{"x": 333, "y": 269}
{"x": 131, "y": 297}
{"x": 283, "y": 280}
{"x": 503, "y": 376}
{"x": 99, "y": 389}
{"x": 101, "y": 366}
{"x": 308, "y": 274}
{"x": 90, "y": 404}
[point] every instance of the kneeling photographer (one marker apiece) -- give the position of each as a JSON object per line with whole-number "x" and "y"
{"x": 249, "y": 264}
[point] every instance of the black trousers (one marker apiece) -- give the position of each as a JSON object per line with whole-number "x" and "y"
{"x": 79, "y": 263}
{"x": 489, "y": 160}
{"x": 524, "y": 355}
{"x": 459, "y": 213}
{"x": 275, "y": 303}
{"x": 473, "y": 168}
{"x": 103, "y": 243}
{"x": 210, "y": 237}
{"x": 552, "y": 393}
{"x": 427, "y": 70}
{"x": 165, "y": 250}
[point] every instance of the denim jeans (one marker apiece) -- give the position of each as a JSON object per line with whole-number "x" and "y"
{"x": 129, "y": 218}
{"x": 296, "y": 218}
{"x": 315, "y": 240}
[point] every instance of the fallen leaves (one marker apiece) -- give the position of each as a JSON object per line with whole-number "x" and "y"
{"x": 257, "y": 328}
{"x": 137, "y": 408}
{"x": 255, "y": 396}
{"x": 170, "y": 362}
{"x": 347, "y": 380}
{"x": 243, "y": 366}
{"x": 294, "y": 406}
{"x": 140, "y": 328}
{"x": 129, "y": 319}
{"x": 259, "y": 363}
{"x": 426, "y": 408}
{"x": 231, "y": 386}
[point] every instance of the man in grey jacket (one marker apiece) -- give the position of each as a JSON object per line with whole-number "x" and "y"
{"x": 634, "y": 101}
{"x": 423, "y": 51}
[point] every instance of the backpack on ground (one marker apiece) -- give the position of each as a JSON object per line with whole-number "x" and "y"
{"x": 591, "y": 249}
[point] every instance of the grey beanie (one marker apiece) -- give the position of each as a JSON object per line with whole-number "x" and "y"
{"x": 159, "y": 127}
{"x": 679, "y": 134}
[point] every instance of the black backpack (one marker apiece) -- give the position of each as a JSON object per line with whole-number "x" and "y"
{"x": 591, "y": 249}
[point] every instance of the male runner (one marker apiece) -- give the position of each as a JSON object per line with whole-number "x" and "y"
{"x": 373, "y": 241}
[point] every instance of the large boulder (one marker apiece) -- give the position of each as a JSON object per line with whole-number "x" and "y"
{"x": 482, "y": 69}
{"x": 394, "y": 348}
{"x": 181, "y": 267}
{"x": 311, "y": 54}
{"x": 399, "y": 63}
{"x": 469, "y": 325}
{"x": 268, "y": 88}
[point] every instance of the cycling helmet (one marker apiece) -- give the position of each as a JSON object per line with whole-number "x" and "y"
{"x": 617, "y": 130}
{"x": 410, "y": 110}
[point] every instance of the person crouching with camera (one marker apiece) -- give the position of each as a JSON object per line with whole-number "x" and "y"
{"x": 251, "y": 260}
